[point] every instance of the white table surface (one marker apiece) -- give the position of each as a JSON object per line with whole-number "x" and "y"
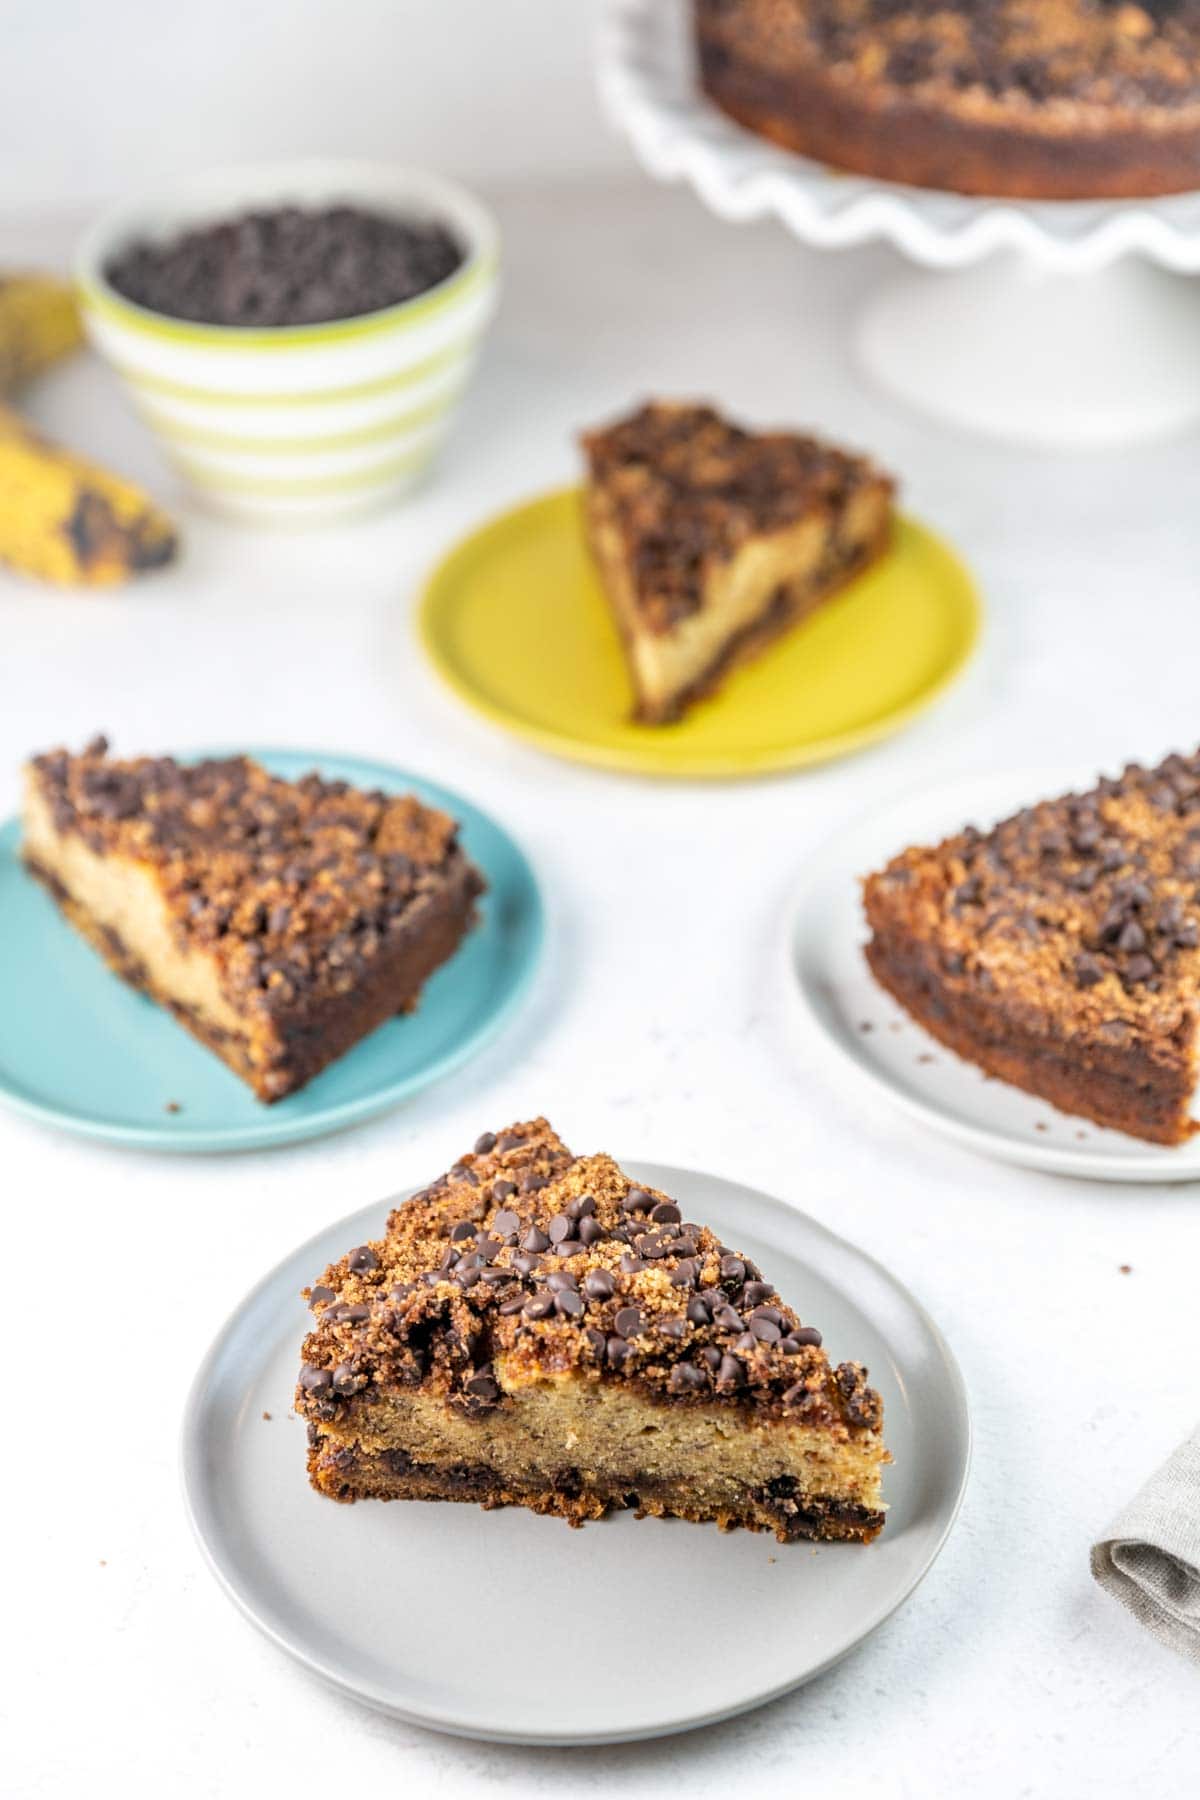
{"x": 659, "y": 1029}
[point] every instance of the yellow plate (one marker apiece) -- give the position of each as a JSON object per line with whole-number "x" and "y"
{"x": 515, "y": 620}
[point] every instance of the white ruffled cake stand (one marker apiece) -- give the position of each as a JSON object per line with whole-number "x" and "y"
{"x": 1060, "y": 324}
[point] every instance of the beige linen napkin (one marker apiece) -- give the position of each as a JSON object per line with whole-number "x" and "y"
{"x": 1149, "y": 1558}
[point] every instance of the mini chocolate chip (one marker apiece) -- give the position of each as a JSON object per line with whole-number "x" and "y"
{"x": 756, "y": 1291}
{"x": 788, "y": 1346}
{"x": 631, "y": 1265}
{"x": 362, "y": 1260}
{"x": 666, "y": 1213}
{"x": 354, "y": 1315}
{"x": 730, "y": 1373}
{"x": 654, "y": 1247}
{"x": 466, "y": 1278}
{"x": 683, "y": 1274}
{"x": 767, "y": 1312}
{"x": 698, "y": 1312}
{"x": 710, "y": 1356}
{"x": 515, "y": 1305}
{"x": 599, "y": 1285}
{"x": 483, "y": 1387}
{"x": 596, "y": 1339}
{"x": 765, "y": 1331}
{"x": 1132, "y": 937}
{"x": 673, "y": 1328}
{"x": 506, "y": 1222}
{"x": 686, "y": 1378}
{"x": 535, "y": 1240}
{"x": 628, "y": 1322}
{"x": 581, "y": 1208}
{"x": 559, "y": 1279}
{"x": 568, "y": 1303}
{"x": 501, "y": 1189}
{"x": 727, "y": 1318}
{"x": 509, "y": 1141}
{"x": 485, "y": 1143}
{"x": 462, "y": 1228}
{"x": 540, "y": 1307}
{"x": 570, "y": 1247}
{"x": 617, "y": 1351}
{"x": 344, "y": 1379}
{"x": 531, "y": 1182}
{"x": 637, "y": 1201}
{"x": 1139, "y": 968}
{"x": 747, "y": 1341}
{"x": 794, "y": 1395}
{"x": 314, "y": 1380}
{"x": 525, "y": 1265}
{"x": 488, "y": 1247}
{"x": 320, "y": 1296}
{"x": 400, "y": 1292}
{"x": 494, "y": 1277}
{"x": 805, "y": 1334}
{"x": 1087, "y": 970}
{"x": 559, "y": 1228}
{"x": 590, "y": 1230}
{"x": 733, "y": 1269}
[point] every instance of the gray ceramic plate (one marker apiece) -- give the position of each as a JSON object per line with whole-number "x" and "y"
{"x": 418, "y": 1609}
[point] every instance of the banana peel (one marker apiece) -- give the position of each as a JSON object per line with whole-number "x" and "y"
{"x": 63, "y": 518}
{"x": 39, "y": 324}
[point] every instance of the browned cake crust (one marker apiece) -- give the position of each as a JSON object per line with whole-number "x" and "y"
{"x": 1061, "y": 951}
{"x": 1063, "y": 99}
{"x": 676, "y": 493}
{"x": 529, "y": 1284}
{"x": 316, "y": 911}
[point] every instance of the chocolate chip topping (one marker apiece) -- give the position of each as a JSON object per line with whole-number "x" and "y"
{"x": 292, "y": 888}
{"x": 584, "y": 1271}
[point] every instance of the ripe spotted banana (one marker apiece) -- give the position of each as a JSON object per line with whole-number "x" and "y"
{"x": 39, "y": 323}
{"x": 63, "y": 518}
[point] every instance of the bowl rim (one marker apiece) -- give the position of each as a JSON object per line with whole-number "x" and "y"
{"x": 215, "y": 191}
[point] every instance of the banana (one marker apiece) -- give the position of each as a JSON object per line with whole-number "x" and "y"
{"x": 67, "y": 520}
{"x": 62, "y": 518}
{"x": 39, "y": 323}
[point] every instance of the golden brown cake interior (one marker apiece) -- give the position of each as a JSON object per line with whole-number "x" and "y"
{"x": 711, "y": 540}
{"x": 536, "y": 1329}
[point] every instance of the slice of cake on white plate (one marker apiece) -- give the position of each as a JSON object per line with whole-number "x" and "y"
{"x": 535, "y": 1329}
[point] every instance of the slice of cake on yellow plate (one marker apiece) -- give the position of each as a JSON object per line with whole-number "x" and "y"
{"x": 711, "y": 541}
{"x": 535, "y": 1329}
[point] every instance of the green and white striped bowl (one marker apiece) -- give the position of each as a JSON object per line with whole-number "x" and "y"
{"x": 310, "y": 421}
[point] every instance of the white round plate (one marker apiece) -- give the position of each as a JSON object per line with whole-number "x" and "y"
{"x": 417, "y": 1608}
{"x": 647, "y": 82}
{"x": 880, "y": 1044}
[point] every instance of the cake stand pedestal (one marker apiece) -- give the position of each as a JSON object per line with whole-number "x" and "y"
{"x": 1055, "y": 324}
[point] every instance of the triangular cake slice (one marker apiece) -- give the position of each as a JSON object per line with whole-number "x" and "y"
{"x": 536, "y": 1330}
{"x": 1060, "y": 951}
{"x": 711, "y": 540}
{"x": 279, "y": 921}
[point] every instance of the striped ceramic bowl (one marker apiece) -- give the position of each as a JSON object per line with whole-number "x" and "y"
{"x": 299, "y": 421}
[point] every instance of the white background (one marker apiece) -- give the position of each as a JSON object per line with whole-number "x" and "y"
{"x": 659, "y": 1029}
{"x": 97, "y": 98}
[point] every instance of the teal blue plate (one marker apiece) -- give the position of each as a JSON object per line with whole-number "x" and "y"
{"x": 81, "y": 1050}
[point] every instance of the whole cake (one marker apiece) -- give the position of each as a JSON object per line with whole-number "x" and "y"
{"x": 1060, "y": 951}
{"x": 279, "y": 921}
{"x": 535, "y": 1329}
{"x": 1051, "y": 99}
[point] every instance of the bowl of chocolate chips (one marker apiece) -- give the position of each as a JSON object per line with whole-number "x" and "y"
{"x": 298, "y": 335}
